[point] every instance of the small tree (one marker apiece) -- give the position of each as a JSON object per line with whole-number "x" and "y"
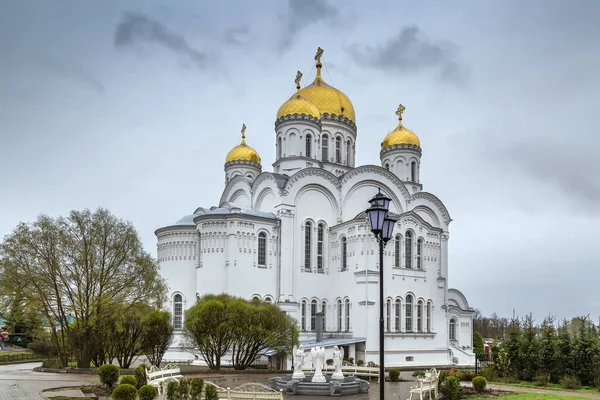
{"x": 478, "y": 345}
{"x": 158, "y": 335}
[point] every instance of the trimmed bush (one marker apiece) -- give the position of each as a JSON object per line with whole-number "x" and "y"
{"x": 394, "y": 375}
{"x": 173, "y": 391}
{"x": 147, "y": 392}
{"x": 452, "y": 387}
{"x": 421, "y": 373}
{"x": 128, "y": 380}
{"x": 140, "y": 376}
{"x": 184, "y": 388}
{"x": 124, "y": 392}
{"x": 51, "y": 363}
{"x": 542, "y": 379}
{"x": 109, "y": 374}
{"x": 570, "y": 382}
{"x": 360, "y": 363}
{"x": 467, "y": 376}
{"x": 210, "y": 393}
{"x": 196, "y": 386}
{"x": 479, "y": 383}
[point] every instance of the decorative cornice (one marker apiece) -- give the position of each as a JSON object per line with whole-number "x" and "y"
{"x": 340, "y": 118}
{"x": 298, "y": 117}
{"x": 437, "y": 202}
{"x": 312, "y": 172}
{"x": 243, "y": 163}
{"x": 409, "y": 147}
{"x": 231, "y": 183}
{"x": 261, "y": 178}
{"x": 182, "y": 228}
{"x": 381, "y": 171}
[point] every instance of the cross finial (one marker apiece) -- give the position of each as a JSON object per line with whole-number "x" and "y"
{"x": 243, "y": 131}
{"x": 399, "y": 111}
{"x": 297, "y": 80}
{"x": 318, "y": 55}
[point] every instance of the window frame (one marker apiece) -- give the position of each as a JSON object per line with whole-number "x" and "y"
{"x": 408, "y": 313}
{"x": 262, "y": 252}
{"x": 308, "y": 145}
{"x": 308, "y": 246}
{"x": 325, "y": 148}
{"x": 408, "y": 240}
{"x": 177, "y": 311}
{"x": 313, "y": 315}
{"x": 320, "y": 248}
{"x": 344, "y": 257}
{"x": 338, "y": 149}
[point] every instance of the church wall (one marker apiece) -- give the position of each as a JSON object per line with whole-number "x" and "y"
{"x": 333, "y": 129}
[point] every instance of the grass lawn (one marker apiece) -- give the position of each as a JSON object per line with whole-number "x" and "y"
{"x": 533, "y": 396}
{"x": 551, "y": 386}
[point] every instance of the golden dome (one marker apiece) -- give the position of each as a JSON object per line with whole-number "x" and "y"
{"x": 326, "y": 99}
{"x": 243, "y": 152}
{"x": 298, "y": 105}
{"x": 400, "y": 135}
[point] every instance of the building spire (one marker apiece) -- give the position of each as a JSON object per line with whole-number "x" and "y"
{"x": 244, "y": 133}
{"x": 297, "y": 80}
{"x": 399, "y": 113}
{"x": 318, "y": 60}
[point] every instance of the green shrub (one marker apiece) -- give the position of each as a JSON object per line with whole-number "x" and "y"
{"x": 140, "y": 376}
{"x": 570, "y": 382}
{"x": 128, "y": 380}
{"x": 511, "y": 379}
{"x": 349, "y": 360}
{"x": 196, "y": 386}
{"x": 45, "y": 348}
{"x": 452, "y": 387}
{"x": 124, "y": 392}
{"x": 360, "y": 363}
{"x": 421, "y": 373}
{"x": 147, "y": 392}
{"x": 542, "y": 379}
{"x": 490, "y": 374}
{"x": 210, "y": 393}
{"x": 109, "y": 374}
{"x": 467, "y": 376}
{"x": 173, "y": 390}
{"x": 184, "y": 388}
{"x": 479, "y": 383}
{"x": 51, "y": 363}
{"x": 394, "y": 375}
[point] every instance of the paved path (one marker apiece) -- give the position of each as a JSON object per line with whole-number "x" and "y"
{"x": 19, "y": 382}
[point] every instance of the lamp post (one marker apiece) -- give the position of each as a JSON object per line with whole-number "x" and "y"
{"x": 382, "y": 227}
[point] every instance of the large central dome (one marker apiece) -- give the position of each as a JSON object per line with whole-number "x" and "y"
{"x": 328, "y": 99}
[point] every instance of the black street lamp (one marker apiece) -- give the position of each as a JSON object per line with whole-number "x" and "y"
{"x": 382, "y": 227}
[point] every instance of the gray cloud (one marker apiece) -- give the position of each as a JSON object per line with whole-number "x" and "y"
{"x": 74, "y": 73}
{"x": 302, "y": 14}
{"x": 136, "y": 27}
{"x": 238, "y": 35}
{"x": 409, "y": 51}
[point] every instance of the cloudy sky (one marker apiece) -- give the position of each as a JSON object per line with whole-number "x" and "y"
{"x": 133, "y": 106}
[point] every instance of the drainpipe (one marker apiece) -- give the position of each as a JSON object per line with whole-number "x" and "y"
{"x": 278, "y": 288}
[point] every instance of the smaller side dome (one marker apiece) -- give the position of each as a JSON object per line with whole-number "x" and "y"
{"x": 243, "y": 152}
{"x": 298, "y": 105}
{"x": 400, "y": 135}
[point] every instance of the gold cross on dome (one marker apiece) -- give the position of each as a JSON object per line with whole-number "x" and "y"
{"x": 297, "y": 80}
{"x": 319, "y": 54}
{"x": 400, "y": 110}
{"x": 243, "y": 131}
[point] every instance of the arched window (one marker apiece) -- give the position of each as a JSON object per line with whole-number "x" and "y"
{"x": 348, "y": 152}
{"x": 408, "y": 250}
{"x": 262, "y": 249}
{"x": 307, "y": 245}
{"x": 398, "y": 314}
{"x": 387, "y": 166}
{"x": 388, "y": 313}
{"x": 279, "y": 148}
{"x": 413, "y": 171}
{"x": 320, "y": 235}
{"x": 428, "y": 316}
{"x": 452, "y": 329}
{"x": 420, "y": 316}
{"x": 338, "y": 149}
{"x": 303, "y": 312}
{"x": 344, "y": 253}
{"x": 397, "y": 252}
{"x": 177, "y": 311}
{"x": 339, "y": 314}
{"x": 409, "y": 312}
{"x": 323, "y": 311}
{"x": 419, "y": 253}
{"x": 325, "y": 148}
{"x": 347, "y": 307}
{"x": 308, "y": 145}
{"x": 256, "y": 298}
{"x": 268, "y": 300}
{"x": 313, "y": 315}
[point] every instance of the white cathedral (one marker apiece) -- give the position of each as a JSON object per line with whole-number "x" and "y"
{"x": 298, "y": 237}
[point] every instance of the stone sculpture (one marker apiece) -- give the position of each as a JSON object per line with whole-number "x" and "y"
{"x": 298, "y": 354}
{"x": 318, "y": 359}
{"x": 338, "y": 357}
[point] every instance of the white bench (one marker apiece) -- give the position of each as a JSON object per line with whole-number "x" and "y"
{"x": 428, "y": 384}
{"x": 157, "y": 377}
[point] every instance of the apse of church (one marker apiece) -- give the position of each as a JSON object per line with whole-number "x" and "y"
{"x": 298, "y": 237}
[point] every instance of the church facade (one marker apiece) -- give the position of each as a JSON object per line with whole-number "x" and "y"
{"x": 298, "y": 237}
